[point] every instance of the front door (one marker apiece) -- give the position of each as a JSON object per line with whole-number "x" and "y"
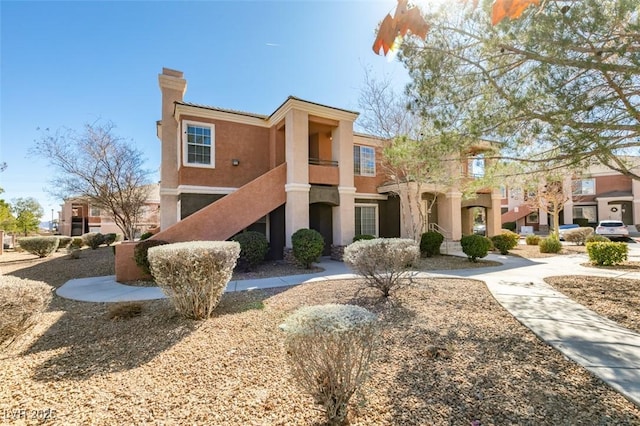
{"x": 615, "y": 212}
{"x": 321, "y": 219}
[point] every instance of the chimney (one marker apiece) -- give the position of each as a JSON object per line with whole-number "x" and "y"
{"x": 173, "y": 87}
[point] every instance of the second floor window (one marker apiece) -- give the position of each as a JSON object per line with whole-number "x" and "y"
{"x": 95, "y": 211}
{"x": 199, "y": 147}
{"x": 364, "y": 160}
{"x": 584, "y": 187}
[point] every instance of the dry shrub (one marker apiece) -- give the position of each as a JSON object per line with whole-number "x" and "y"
{"x": 194, "y": 274}
{"x": 21, "y": 302}
{"x": 329, "y": 350}
{"x": 124, "y": 310}
{"x": 578, "y": 236}
{"x": 39, "y": 246}
{"x": 383, "y": 261}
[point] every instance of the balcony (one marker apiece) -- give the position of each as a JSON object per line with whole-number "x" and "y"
{"x": 323, "y": 172}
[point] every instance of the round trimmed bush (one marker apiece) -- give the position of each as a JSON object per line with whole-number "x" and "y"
{"x": 308, "y": 245}
{"x": 194, "y": 274}
{"x": 146, "y": 236}
{"x": 550, "y": 245}
{"x": 383, "y": 261}
{"x": 253, "y": 248}
{"x": 430, "y": 243}
{"x": 93, "y": 239}
{"x": 21, "y": 302}
{"x": 475, "y": 246}
{"x": 110, "y": 238}
{"x": 39, "y": 246}
{"x": 505, "y": 241}
{"x": 595, "y": 238}
{"x": 329, "y": 349}
{"x": 532, "y": 239}
{"x": 140, "y": 253}
{"x": 63, "y": 242}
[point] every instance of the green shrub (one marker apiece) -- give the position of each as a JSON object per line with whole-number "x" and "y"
{"x": 110, "y": 238}
{"x": 505, "y": 241}
{"x": 308, "y": 245}
{"x": 430, "y": 243}
{"x": 363, "y": 237}
{"x": 595, "y": 238}
{"x": 550, "y": 245}
{"x": 194, "y": 274}
{"x": 140, "y": 253}
{"x": 76, "y": 243}
{"x": 607, "y": 254}
{"x": 383, "y": 261}
{"x": 510, "y": 226}
{"x": 93, "y": 239}
{"x": 475, "y": 246}
{"x": 578, "y": 236}
{"x": 21, "y": 302}
{"x": 532, "y": 240}
{"x": 39, "y": 246}
{"x": 253, "y": 248}
{"x": 146, "y": 236}
{"x": 63, "y": 242}
{"x": 329, "y": 349}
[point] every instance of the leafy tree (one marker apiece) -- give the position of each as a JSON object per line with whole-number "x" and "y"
{"x": 101, "y": 167}
{"x": 7, "y": 220}
{"x": 413, "y": 163}
{"x": 28, "y": 213}
{"x": 557, "y": 86}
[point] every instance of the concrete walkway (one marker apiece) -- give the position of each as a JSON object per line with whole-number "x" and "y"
{"x": 609, "y": 351}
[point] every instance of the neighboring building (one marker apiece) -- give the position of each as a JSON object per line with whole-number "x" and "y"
{"x": 302, "y": 166}
{"x": 77, "y": 216}
{"x": 598, "y": 193}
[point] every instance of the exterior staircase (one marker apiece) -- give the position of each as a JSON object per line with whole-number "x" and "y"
{"x": 232, "y": 213}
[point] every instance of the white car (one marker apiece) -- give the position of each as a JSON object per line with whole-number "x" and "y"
{"x": 612, "y": 229}
{"x": 566, "y": 228}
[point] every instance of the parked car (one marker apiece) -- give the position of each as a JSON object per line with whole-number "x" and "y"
{"x": 564, "y": 228}
{"x": 612, "y": 229}
{"x": 479, "y": 229}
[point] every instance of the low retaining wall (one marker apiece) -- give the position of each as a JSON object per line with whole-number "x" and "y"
{"x": 126, "y": 268}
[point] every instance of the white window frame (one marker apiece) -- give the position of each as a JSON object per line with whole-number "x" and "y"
{"x": 579, "y": 191}
{"x": 376, "y": 214}
{"x": 93, "y": 210}
{"x": 362, "y": 167}
{"x": 185, "y": 144}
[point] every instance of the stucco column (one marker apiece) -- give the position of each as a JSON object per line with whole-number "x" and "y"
{"x": 344, "y": 217}
{"x": 494, "y": 215}
{"x": 173, "y": 88}
{"x": 344, "y": 214}
{"x": 453, "y": 214}
{"x": 297, "y": 186}
{"x": 567, "y": 209}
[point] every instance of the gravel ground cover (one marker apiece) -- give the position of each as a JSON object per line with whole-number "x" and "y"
{"x": 449, "y": 354}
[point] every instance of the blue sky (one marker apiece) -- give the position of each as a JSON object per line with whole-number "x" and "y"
{"x": 64, "y": 64}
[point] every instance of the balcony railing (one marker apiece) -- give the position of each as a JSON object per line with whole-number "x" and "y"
{"x": 319, "y": 162}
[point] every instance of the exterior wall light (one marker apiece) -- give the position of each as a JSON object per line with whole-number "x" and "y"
{"x": 235, "y": 162}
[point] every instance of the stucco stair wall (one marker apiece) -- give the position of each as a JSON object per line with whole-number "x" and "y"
{"x": 216, "y": 222}
{"x": 232, "y": 213}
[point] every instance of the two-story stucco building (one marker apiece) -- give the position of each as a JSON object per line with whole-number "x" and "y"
{"x": 302, "y": 166}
